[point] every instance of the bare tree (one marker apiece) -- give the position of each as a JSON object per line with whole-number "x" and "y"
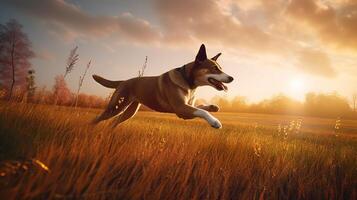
{"x": 141, "y": 72}
{"x": 15, "y": 53}
{"x": 81, "y": 78}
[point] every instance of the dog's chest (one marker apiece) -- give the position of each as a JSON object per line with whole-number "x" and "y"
{"x": 190, "y": 98}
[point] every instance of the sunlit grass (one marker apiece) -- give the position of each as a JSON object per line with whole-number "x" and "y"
{"x": 157, "y": 156}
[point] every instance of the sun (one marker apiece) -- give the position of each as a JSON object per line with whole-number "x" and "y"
{"x": 297, "y": 84}
{"x": 297, "y": 88}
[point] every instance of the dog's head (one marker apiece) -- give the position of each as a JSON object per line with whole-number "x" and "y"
{"x": 208, "y": 72}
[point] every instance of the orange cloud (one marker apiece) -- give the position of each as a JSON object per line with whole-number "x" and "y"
{"x": 190, "y": 20}
{"x": 334, "y": 23}
{"x": 285, "y": 29}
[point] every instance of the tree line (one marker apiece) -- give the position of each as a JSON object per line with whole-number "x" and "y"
{"x": 315, "y": 104}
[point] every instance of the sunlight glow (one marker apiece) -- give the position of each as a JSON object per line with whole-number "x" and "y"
{"x": 297, "y": 88}
{"x": 297, "y": 85}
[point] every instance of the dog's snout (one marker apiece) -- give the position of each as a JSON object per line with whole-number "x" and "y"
{"x": 230, "y": 79}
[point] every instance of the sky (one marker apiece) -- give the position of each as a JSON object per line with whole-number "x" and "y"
{"x": 269, "y": 47}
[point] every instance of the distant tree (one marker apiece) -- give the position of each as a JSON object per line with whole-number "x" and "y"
{"x": 91, "y": 101}
{"x": 222, "y": 102}
{"x": 15, "y": 53}
{"x": 281, "y": 104}
{"x": 354, "y": 102}
{"x": 61, "y": 91}
{"x": 239, "y": 104}
{"x": 31, "y": 87}
{"x": 326, "y": 105}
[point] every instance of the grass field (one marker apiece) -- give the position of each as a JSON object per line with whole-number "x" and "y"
{"x": 158, "y": 156}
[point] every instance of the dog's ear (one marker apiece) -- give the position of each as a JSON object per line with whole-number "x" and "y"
{"x": 216, "y": 56}
{"x": 201, "y": 55}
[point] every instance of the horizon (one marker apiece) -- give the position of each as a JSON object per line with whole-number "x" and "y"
{"x": 269, "y": 48}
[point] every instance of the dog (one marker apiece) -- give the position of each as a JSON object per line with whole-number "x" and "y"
{"x": 171, "y": 92}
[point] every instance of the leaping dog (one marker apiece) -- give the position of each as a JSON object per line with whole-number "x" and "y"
{"x": 171, "y": 92}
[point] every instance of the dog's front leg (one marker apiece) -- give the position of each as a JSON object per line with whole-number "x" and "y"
{"x": 189, "y": 112}
{"x": 214, "y": 122}
{"x": 209, "y": 108}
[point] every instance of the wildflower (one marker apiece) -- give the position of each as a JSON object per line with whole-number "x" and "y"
{"x": 337, "y": 126}
{"x": 291, "y": 125}
{"x": 285, "y": 133}
{"x": 298, "y": 126}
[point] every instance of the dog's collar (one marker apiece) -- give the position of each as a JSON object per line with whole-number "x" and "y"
{"x": 189, "y": 80}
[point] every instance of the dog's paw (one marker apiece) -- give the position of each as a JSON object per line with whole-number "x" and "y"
{"x": 215, "y": 123}
{"x": 213, "y": 108}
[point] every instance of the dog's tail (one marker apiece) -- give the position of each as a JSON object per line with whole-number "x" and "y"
{"x": 105, "y": 82}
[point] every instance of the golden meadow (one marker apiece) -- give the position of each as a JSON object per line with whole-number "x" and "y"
{"x": 51, "y": 152}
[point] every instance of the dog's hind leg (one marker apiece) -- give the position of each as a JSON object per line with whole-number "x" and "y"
{"x": 127, "y": 114}
{"x": 117, "y": 104}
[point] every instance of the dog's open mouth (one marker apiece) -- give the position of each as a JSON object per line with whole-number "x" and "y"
{"x": 217, "y": 84}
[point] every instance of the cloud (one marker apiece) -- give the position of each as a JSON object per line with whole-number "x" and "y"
{"x": 315, "y": 62}
{"x": 211, "y": 21}
{"x": 334, "y": 22}
{"x": 287, "y": 30}
{"x": 74, "y": 22}
{"x": 258, "y": 27}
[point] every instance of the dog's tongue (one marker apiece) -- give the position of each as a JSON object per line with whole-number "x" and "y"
{"x": 218, "y": 84}
{"x": 222, "y": 86}
{"x": 225, "y": 88}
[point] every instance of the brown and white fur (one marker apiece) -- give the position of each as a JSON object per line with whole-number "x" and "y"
{"x": 171, "y": 92}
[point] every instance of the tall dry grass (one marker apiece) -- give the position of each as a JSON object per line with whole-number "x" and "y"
{"x": 155, "y": 156}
